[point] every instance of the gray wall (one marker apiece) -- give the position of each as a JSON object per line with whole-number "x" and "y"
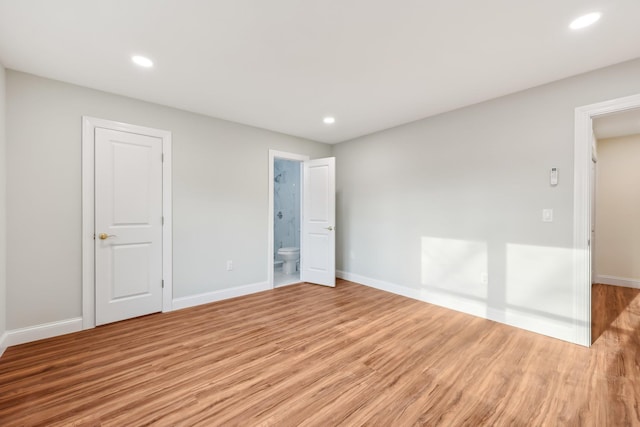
{"x": 429, "y": 207}
{"x": 220, "y": 195}
{"x": 3, "y": 212}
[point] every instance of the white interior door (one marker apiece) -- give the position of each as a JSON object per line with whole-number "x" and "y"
{"x": 128, "y": 225}
{"x": 318, "y": 222}
{"x": 594, "y": 181}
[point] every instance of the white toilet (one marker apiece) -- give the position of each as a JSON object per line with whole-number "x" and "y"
{"x": 290, "y": 256}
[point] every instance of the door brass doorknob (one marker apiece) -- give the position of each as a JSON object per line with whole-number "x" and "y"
{"x": 104, "y": 236}
{"x": 330, "y": 228}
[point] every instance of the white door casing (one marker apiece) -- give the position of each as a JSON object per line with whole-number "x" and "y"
{"x": 273, "y": 155}
{"x": 318, "y": 222}
{"x": 128, "y": 225}
{"x": 594, "y": 184}
{"x": 126, "y": 194}
{"x": 582, "y": 163}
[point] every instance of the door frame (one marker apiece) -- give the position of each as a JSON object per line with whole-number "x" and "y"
{"x": 89, "y": 124}
{"x": 273, "y": 155}
{"x": 582, "y": 207}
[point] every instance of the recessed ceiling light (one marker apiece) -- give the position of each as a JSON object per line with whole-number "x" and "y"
{"x": 142, "y": 61}
{"x": 585, "y": 20}
{"x": 329, "y": 120}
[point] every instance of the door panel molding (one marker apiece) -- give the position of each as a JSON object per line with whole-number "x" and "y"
{"x": 89, "y": 125}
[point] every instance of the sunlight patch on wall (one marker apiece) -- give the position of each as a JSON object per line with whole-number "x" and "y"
{"x": 538, "y": 279}
{"x": 455, "y": 266}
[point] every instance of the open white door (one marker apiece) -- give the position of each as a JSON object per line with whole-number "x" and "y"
{"x": 594, "y": 180}
{"x": 318, "y": 222}
{"x": 128, "y": 225}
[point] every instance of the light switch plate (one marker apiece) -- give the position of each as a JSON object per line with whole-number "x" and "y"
{"x": 547, "y": 215}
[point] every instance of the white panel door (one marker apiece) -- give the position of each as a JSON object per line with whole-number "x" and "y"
{"x": 594, "y": 195}
{"x": 128, "y": 221}
{"x": 318, "y": 222}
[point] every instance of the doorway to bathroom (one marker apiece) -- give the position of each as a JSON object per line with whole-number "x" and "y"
{"x": 285, "y": 173}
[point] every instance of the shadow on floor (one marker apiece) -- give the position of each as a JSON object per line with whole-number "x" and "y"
{"x": 607, "y": 303}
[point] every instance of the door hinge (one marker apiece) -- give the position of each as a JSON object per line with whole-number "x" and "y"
{"x": 162, "y": 156}
{"x": 162, "y": 283}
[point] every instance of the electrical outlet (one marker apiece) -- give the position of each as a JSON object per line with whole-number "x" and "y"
{"x": 484, "y": 278}
{"x": 229, "y": 265}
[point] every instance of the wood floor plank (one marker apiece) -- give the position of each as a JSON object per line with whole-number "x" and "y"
{"x": 306, "y": 355}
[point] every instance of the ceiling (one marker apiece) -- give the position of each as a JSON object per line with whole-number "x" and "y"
{"x": 617, "y": 124}
{"x": 285, "y": 64}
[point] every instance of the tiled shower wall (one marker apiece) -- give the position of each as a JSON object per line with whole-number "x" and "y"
{"x": 286, "y": 204}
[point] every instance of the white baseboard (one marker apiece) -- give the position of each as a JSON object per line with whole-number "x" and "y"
{"x": 48, "y": 330}
{"x": 447, "y": 301}
{"x": 45, "y": 330}
{"x": 207, "y": 297}
{"x": 538, "y": 324}
{"x": 515, "y": 318}
{"x": 378, "y": 284}
{"x": 618, "y": 281}
{"x": 3, "y": 343}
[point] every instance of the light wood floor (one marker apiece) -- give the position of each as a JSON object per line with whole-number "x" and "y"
{"x": 309, "y": 355}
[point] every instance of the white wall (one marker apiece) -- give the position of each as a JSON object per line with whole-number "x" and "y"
{"x": 618, "y": 211}
{"x": 3, "y": 157}
{"x": 220, "y": 195}
{"x": 427, "y": 208}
